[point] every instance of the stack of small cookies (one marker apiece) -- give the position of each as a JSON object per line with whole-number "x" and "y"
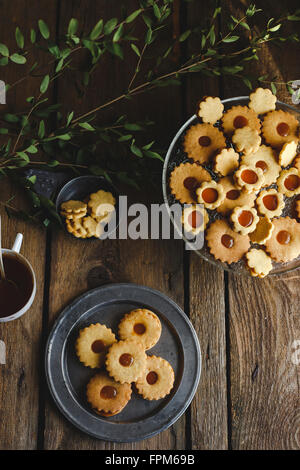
{"x": 125, "y": 361}
{"x": 244, "y": 169}
{"x": 86, "y": 219}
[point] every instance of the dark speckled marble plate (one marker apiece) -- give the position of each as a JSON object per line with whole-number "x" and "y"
{"x": 67, "y": 377}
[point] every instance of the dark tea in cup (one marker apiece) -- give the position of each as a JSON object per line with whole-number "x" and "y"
{"x": 16, "y": 289}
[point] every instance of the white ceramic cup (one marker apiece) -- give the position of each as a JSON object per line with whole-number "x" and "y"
{"x": 15, "y": 251}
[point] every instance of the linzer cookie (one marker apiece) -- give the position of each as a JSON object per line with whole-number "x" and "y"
{"x": 74, "y": 207}
{"x": 101, "y": 203}
{"x": 262, "y": 101}
{"x": 234, "y": 196}
{"x": 141, "y": 324}
{"x": 284, "y": 244}
{"x": 238, "y": 117}
{"x": 258, "y": 262}
{"x": 263, "y": 231}
{"x": 280, "y": 127}
{"x": 210, "y": 109}
{"x": 288, "y": 153}
{"x": 105, "y": 395}
{"x": 126, "y": 361}
{"x": 244, "y": 219}
{"x": 265, "y": 159}
{"x": 194, "y": 219}
{"x": 157, "y": 380}
{"x": 226, "y": 162}
{"x": 185, "y": 179}
{"x": 210, "y": 194}
{"x": 75, "y": 228}
{"x": 289, "y": 182}
{"x": 249, "y": 177}
{"x": 225, "y": 244}
{"x": 93, "y": 343}
{"x": 201, "y": 141}
{"x": 246, "y": 140}
{"x": 270, "y": 203}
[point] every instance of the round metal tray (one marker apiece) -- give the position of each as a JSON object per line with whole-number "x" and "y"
{"x": 67, "y": 377}
{"x": 176, "y": 155}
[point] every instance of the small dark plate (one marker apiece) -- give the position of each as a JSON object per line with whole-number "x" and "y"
{"x": 81, "y": 187}
{"x": 67, "y": 377}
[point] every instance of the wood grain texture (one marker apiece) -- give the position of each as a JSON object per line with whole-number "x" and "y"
{"x": 264, "y": 322}
{"x": 207, "y": 304}
{"x": 77, "y": 266}
{"x": 19, "y": 377}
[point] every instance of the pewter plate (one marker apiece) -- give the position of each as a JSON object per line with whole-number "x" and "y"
{"x": 67, "y": 377}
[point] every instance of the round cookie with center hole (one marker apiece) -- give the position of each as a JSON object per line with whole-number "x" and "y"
{"x": 126, "y": 361}
{"x": 142, "y": 325}
{"x": 92, "y": 344}
{"x": 157, "y": 380}
{"x": 106, "y": 395}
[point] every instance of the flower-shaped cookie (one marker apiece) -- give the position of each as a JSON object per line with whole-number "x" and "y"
{"x": 262, "y": 101}
{"x": 201, "y": 141}
{"x": 244, "y": 219}
{"x": 226, "y": 161}
{"x": 211, "y": 194}
{"x": 210, "y": 109}
{"x": 246, "y": 140}
{"x": 263, "y": 231}
{"x": 194, "y": 219}
{"x": 289, "y": 182}
{"x": 270, "y": 203}
{"x": 225, "y": 244}
{"x": 234, "y": 196}
{"x": 258, "y": 262}
{"x": 185, "y": 179}
{"x": 265, "y": 159}
{"x": 249, "y": 177}
{"x": 284, "y": 244}
{"x": 287, "y": 153}
{"x": 238, "y": 117}
{"x": 280, "y": 127}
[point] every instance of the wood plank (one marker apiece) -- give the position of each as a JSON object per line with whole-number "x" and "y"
{"x": 264, "y": 322}
{"x": 207, "y": 301}
{"x": 20, "y": 377}
{"x": 153, "y": 263}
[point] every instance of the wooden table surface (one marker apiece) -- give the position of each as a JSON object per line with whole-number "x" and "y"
{"x": 248, "y": 397}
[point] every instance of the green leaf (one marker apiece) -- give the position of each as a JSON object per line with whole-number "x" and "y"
{"x": 247, "y": 82}
{"x": 41, "y": 131}
{"x": 64, "y": 137}
{"x": 124, "y": 138}
{"x": 148, "y": 37}
{"x": 275, "y": 28}
{"x": 231, "y": 39}
{"x": 32, "y": 36}
{"x": 135, "y": 49}
{"x": 4, "y": 50}
{"x": 97, "y": 30}
{"x": 44, "y": 84}
{"x": 10, "y": 117}
{"x": 87, "y": 126}
{"x": 18, "y": 59}
{"x": 44, "y": 29}
{"x": 32, "y": 179}
{"x": 118, "y": 33}
{"x": 184, "y": 35}
{"x": 133, "y": 16}
{"x": 273, "y": 88}
{"x": 293, "y": 18}
{"x": 96, "y": 170}
{"x": 156, "y": 155}
{"x": 69, "y": 118}
{"x": 32, "y": 149}
{"x": 156, "y": 11}
{"x": 136, "y": 150}
{"x": 53, "y": 163}
{"x": 3, "y": 131}
{"x": 110, "y": 26}
{"x": 59, "y": 65}
{"x": 3, "y": 61}
{"x": 133, "y": 127}
{"x": 19, "y": 38}
{"x": 117, "y": 50}
{"x": 24, "y": 156}
{"x": 73, "y": 26}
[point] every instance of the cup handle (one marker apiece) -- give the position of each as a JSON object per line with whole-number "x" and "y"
{"x": 18, "y": 243}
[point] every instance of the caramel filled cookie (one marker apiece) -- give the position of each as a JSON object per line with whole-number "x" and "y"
{"x": 284, "y": 244}
{"x": 126, "y": 361}
{"x": 157, "y": 380}
{"x": 106, "y": 395}
{"x": 185, "y": 179}
{"x": 210, "y": 194}
{"x": 141, "y": 324}
{"x": 270, "y": 203}
{"x": 238, "y": 117}
{"x": 265, "y": 159}
{"x": 244, "y": 219}
{"x": 234, "y": 196}
{"x": 93, "y": 343}
{"x": 194, "y": 219}
{"x": 225, "y": 244}
{"x": 201, "y": 141}
{"x": 280, "y": 127}
{"x": 288, "y": 182}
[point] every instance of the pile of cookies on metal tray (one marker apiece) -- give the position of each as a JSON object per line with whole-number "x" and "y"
{"x": 124, "y": 362}
{"x": 86, "y": 219}
{"x": 243, "y": 169}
